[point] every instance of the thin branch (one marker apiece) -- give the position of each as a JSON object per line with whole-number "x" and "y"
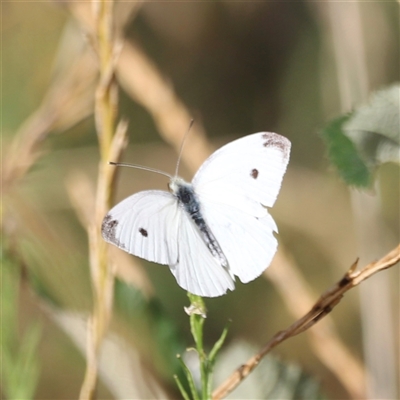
{"x": 321, "y": 308}
{"x": 323, "y": 339}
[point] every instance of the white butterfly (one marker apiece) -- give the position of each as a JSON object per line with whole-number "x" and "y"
{"x": 216, "y": 227}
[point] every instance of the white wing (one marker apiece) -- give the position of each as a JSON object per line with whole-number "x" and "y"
{"x": 146, "y": 225}
{"x": 197, "y": 270}
{"x": 234, "y": 186}
{"x": 245, "y": 173}
{"x": 248, "y": 242}
{"x": 152, "y": 225}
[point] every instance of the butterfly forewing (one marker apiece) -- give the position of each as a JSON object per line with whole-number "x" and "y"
{"x": 234, "y": 187}
{"x": 245, "y": 173}
{"x": 146, "y": 225}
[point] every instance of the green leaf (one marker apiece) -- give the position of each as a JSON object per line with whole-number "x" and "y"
{"x": 344, "y": 155}
{"x": 360, "y": 142}
{"x": 20, "y": 366}
{"x": 189, "y": 378}
{"x": 217, "y": 346}
{"x": 10, "y": 280}
{"x": 181, "y": 388}
{"x": 375, "y": 127}
{"x": 25, "y": 372}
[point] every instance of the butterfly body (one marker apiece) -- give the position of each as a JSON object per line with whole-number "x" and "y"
{"x": 187, "y": 198}
{"x": 214, "y": 228}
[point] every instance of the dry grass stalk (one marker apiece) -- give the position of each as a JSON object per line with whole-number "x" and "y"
{"x": 111, "y": 142}
{"x": 145, "y": 83}
{"x": 323, "y": 338}
{"x": 68, "y": 100}
{"x": 321, "y": 308}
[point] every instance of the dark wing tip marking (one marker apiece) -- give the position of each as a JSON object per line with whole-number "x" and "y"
{"x": 280, "y": 142}
{"x": 254, "y": 173}
{"x": 108, "y": 230}
{"x": 143, "y": 232}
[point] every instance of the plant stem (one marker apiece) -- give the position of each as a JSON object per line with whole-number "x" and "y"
{"x": 105, "y": 117}
{"x": 197, "y": 314}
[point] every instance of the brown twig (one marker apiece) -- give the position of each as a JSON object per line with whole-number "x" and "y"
{"x": 323, "y": 338}
{"x": 321, "y": 308}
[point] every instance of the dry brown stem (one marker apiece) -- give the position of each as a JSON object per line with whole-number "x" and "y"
{"x": 112, "y": 140}
{"x": 323, "y": 338}
{"x": 321, "y": 308}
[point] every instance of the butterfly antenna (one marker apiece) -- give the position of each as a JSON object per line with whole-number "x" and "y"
{"x": 182, "y": 144}
{"x": 157, "y": 171}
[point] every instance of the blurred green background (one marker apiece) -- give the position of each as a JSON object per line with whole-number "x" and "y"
{"x": 239, "y": 68}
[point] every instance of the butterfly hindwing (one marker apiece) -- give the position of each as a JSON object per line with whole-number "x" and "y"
{"x": 248, "y": 242}
{"x": 197, "y": 270}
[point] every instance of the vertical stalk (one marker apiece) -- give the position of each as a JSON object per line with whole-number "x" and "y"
{"x": 105, "y": 114}
{"x": 197, "y": 315}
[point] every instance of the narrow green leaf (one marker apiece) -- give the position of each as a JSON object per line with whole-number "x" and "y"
{"x": 184, "y": 393}
{"x": 189, "y": 378}
{"x": 20, "y": 367}
{"x": 26, "y": 365}
{"x": 10, "y": 281}
{"x": 218, "y": 344}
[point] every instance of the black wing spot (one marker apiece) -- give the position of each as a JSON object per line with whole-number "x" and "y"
{"x": 143, "y": 232}
{"x": 254, "y": 173}
{"x": 108, "y": 230}
{"x": 278, "y": 141}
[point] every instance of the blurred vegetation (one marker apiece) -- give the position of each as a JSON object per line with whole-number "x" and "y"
{"x": 362, "y": 141}
{"x": 18, "y": 351}
{"x": 238, "y": 68}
